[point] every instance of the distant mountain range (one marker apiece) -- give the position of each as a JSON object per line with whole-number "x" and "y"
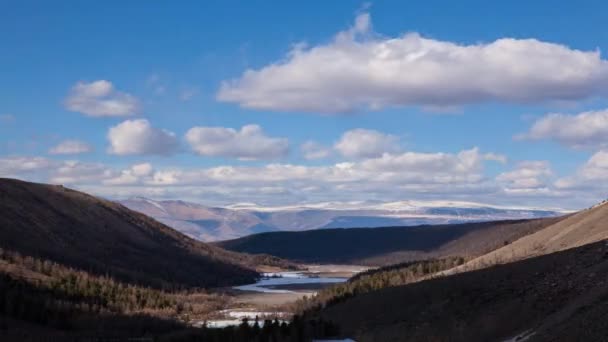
{"x": 74, "y": 265}
{"x": 234, "y": 221}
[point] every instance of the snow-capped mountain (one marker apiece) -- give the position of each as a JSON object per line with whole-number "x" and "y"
{"x": 240, "y": 219}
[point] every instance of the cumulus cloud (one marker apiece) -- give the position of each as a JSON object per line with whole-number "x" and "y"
{"x": 313, "y": 150}
{"x": 390, "y": 177}
{"x": 359, "y": 69}
{"x": 248, "y": 143}
{"x": 390, "y": 170}
{"x": 592, "y": 176}
{"x": 76, "y": 172}
{"x": 71, "y": 147}
{"x": 132, "y": 175}
{"x": 139, "y": 137}
{"x": 495, "y": 157}
{"x": 583, "y": 130}
{"x": 13, "y": 166}
{"x": 528, "y": 176}
{"x": 596, "y": 167}
{"x": 421, "y": 171}
{"x": 366, "y": 143}
{"x": 100, "y": 98}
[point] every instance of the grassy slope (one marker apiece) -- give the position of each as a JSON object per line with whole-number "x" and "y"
{"x": 579, "y": 229}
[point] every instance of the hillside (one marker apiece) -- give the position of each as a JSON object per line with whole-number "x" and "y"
{"x": 105, "y": 238}
{"x": 576, "y": 230}
{"x": 556, "y": 297}
{"x": 238, "y": 220}
{"x": 545, "y": 286}
{"x": 382, "y": 246}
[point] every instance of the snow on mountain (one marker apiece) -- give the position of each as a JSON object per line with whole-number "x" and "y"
{"x": 240, "y": 219}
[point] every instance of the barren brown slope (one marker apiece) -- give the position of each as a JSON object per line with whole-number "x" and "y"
{"x": 99, "y": 236}
{"x": 576, "y": 230}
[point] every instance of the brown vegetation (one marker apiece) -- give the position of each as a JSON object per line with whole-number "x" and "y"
{"x": 584, "y": 227}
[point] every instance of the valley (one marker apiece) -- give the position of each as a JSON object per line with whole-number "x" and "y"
{"x": 69, "y": 261}
{"x": 303, "y": 171}
{"x": 272, "y": 295}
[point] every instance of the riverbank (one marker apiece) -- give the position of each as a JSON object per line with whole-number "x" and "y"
{"x": 269, "y": 297}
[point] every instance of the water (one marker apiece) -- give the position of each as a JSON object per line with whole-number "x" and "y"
{"x": 269, "y": 280}
{"x": 266, "y": 285}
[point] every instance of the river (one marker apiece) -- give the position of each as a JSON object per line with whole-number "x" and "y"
{"x": 275, "y": 289}
{"x": 279, "y": 282}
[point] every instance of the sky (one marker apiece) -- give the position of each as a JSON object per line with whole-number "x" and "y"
{"x": 275, "y": 102}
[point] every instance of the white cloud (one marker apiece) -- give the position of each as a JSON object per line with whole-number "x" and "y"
{"x": 139, "y": 137}
{"x": 249, "y": 143}
{"x": 99, "y": 98}
{"x": 596, "y": 167}
{"x": 130, "y": 176}
{"x": 592, "y": 176}
{"x": 140, "y": 170}
{"x": 424, "y": 169}
{"x": 359, "y": 69}
{"x": 71, "y": 147}
{"x": 366, "y": 143}
{"x": 420, "y": 171}
{"x": 76, "y": 172}
{"x": 14, "y": 166}
{"x": 528, "y": 176}
{"x": 495, "y": 157}
{"x": 432, "y": 167}
{"x": 391, "y": 177}
{"x": 583, "y": 130}
{"x": 313, "y": 150}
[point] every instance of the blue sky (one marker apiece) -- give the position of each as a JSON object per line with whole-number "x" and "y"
{"x": 228, "y": 101}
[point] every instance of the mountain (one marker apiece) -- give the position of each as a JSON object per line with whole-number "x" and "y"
{"x": 556, "y": 297}
{"x": 198, "y": 221}
{"x": 549, "y": 285}
{"x": 382, "y": 246}
{"x": 105, "y": 238}
{"x": 212, "y": 224}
